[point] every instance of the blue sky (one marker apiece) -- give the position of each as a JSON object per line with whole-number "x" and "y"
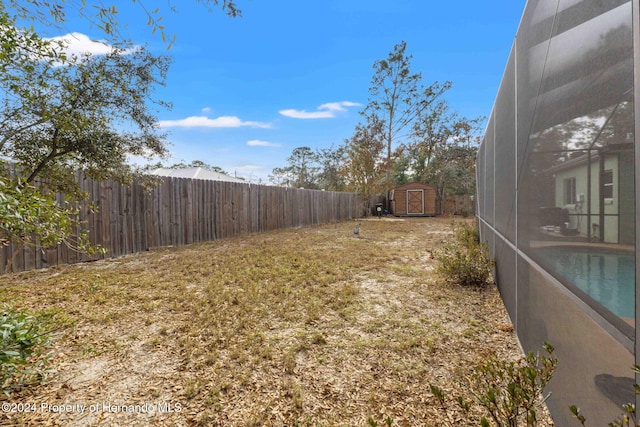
{"x": 291, "y": 73}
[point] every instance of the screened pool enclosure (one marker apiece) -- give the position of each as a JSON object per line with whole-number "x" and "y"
{"x": 557, "y": 178}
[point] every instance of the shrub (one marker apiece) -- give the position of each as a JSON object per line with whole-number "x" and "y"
{"x": 507, "y": 392}
{"x": 464, "y": 260}
{"x": 23, "y": 339}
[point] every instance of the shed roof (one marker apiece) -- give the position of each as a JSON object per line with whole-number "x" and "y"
{"x": 195, "y": 173}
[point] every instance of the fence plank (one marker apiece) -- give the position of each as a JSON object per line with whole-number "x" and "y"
{"x": 130, "y": 219}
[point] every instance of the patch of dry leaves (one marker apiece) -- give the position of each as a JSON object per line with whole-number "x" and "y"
{"x": 313, "y": 326}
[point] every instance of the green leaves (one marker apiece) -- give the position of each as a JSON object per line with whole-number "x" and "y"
{"x": 627, "y": 419}
{"x": 22, "y": 340}
{"x": 464, "y": 260}
{"x": 373, "y": 423}
{"x": 437, "y": 392}
{"x": 29, "y": 217}
{"x": 509, "y": 392}
{"x": 76, "y": 120}
{"x": 364, "y": 166}
{"x": 62, "y": 113}
{"x": 102, "y": 15}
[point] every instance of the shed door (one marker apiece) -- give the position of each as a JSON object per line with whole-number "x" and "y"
{"x": 415, "y": 202}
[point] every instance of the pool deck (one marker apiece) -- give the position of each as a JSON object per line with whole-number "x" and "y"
{"x": 535, "y": 244}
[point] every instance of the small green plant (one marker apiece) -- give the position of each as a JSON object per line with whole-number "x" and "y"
{"x": 508, "y": 392}
{"x": 464, "y": 260}
{"x": 21, "y": 349}
{"x": 90, "y": 350}
{"x": 628, "y": 419}
{"x": 373, "y": 423}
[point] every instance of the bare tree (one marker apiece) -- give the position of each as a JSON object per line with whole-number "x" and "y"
{"x": 398, "y": 98}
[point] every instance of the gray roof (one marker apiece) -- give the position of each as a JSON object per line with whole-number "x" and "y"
{"x": 195, "y": 173}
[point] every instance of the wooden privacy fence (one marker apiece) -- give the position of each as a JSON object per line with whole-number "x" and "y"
{"x": 181, "y": 211}
{"x": 459, "y": 205}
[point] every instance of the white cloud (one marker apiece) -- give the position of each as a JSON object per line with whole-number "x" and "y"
{"x": 78, "y": 44}
{"x": 259, "y": 143}
{"x": 206, "y": 122}
{"x": 338, "y": 106}
{"x": 206, "y": 110}
{"x": 325, "y": 111}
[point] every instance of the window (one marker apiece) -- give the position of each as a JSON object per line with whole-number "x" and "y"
{"x": 569, "y": 191}
{"x": 607, "y": 184}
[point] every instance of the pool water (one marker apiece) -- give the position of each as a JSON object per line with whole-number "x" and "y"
{"x": 608, "y": 276}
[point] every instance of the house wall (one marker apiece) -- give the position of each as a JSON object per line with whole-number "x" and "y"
{"x": 584, "y": 215}
{"x": 626, "y": 205}
{"x": 568, "y": 90}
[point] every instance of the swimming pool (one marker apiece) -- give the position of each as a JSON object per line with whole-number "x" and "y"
{"x": 606, "y": 275}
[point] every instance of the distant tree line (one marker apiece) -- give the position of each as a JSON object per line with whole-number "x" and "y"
{"x": 408, "y": 132}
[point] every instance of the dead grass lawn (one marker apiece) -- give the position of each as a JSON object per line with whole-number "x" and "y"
{"x": 314, "y": 327}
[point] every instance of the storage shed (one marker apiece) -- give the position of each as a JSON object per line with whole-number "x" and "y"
{"x": 413, "y": 199}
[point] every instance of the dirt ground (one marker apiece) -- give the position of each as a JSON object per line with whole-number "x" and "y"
{"x": 312, "y": 327}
